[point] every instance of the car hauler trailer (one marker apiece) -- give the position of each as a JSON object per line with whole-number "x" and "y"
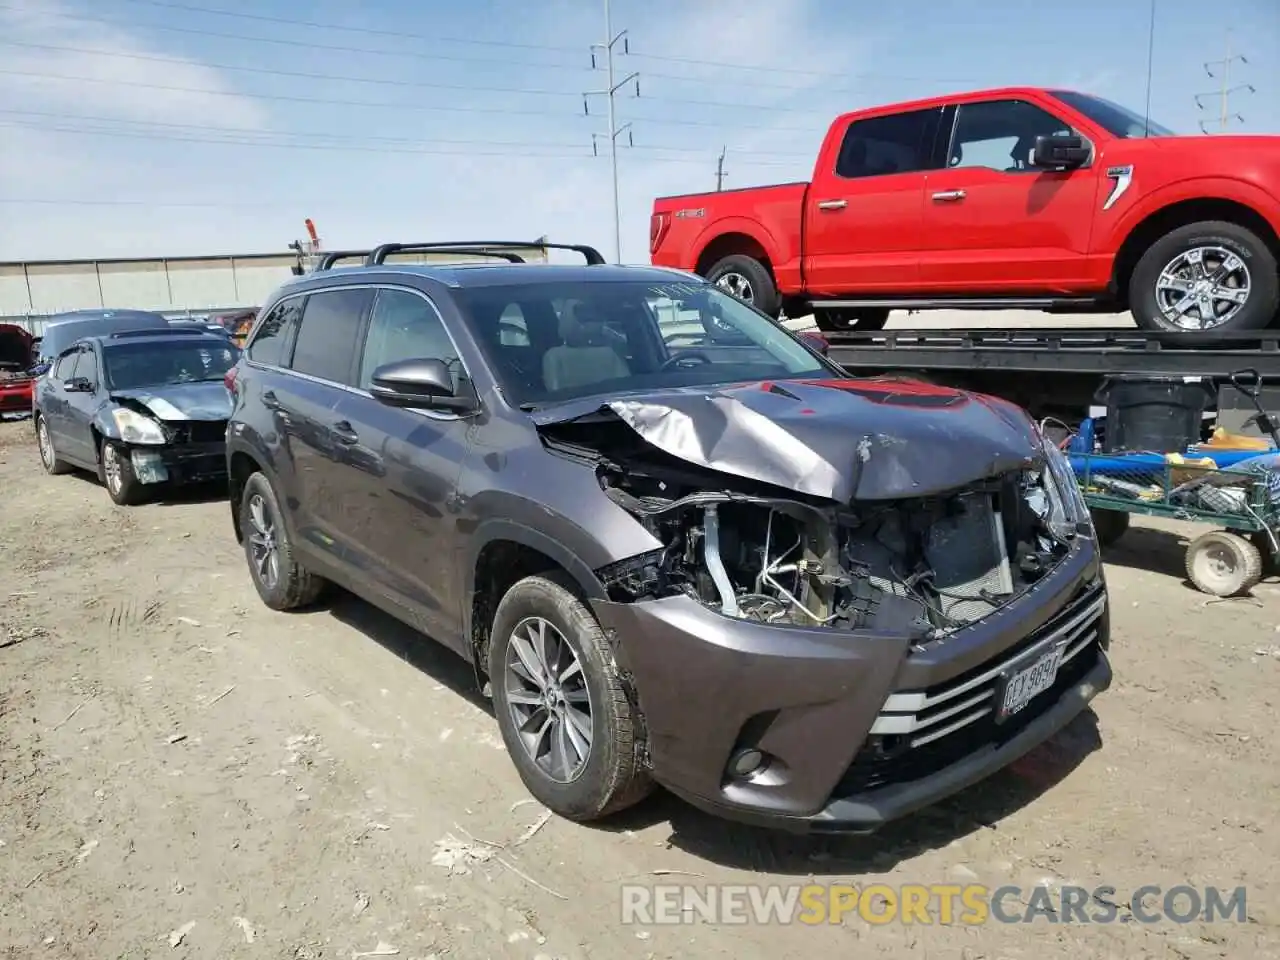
{"x": 1060, "y": 373}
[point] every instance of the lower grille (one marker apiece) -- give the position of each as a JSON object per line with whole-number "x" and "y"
{"x": 917, "y": 734}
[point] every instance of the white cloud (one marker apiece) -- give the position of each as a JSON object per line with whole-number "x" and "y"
{"x": 360, "y": 199}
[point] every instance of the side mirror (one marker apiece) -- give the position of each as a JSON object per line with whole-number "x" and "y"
{"x": 816, "y": 341}
{"x": 79, "y": 385}
{"x": 1060, "y": 153}
{"x": 417, "y": 383}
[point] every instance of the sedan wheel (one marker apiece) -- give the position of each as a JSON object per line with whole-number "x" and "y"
{"x": 48, "y": 454}
{"x": 117, "y": 473}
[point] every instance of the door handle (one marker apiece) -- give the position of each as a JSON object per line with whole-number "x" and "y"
{"x": 949, "y": 195}
{"x": 269, "y": 400}
{"x": 343, "y": 432}
{"x": 832, "y": 204}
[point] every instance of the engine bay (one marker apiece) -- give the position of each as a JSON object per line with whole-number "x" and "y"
{"x": 924, "y": 567}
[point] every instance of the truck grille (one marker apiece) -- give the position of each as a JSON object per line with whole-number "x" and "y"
{"x": 919, "y": 733}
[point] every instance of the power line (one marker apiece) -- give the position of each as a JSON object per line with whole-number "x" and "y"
{"x": 366, "y": 104}
{"x": 360, "y": 138}
{"x": 514, "y": 151}
{"x": 610, "y": 93}
{"x": 1225, "y": 90}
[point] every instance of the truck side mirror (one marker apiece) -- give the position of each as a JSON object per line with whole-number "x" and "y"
{"x": 1060, "y": 153}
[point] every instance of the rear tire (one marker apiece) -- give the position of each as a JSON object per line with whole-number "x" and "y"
{"x": 48, "y": 453}
{"x": 613, "y": 774}
{"x": 1177, "y": 253}
{"x": 854, "y": 318}
{"x": 749, "y": 280}
{"x": 281, "y": 581}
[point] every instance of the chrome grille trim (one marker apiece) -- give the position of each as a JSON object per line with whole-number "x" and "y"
{"x": 901, "y": 711}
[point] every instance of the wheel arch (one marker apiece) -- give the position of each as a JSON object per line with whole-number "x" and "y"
{"x": 503, "y": 552}
{"x": 1181, "y": 213}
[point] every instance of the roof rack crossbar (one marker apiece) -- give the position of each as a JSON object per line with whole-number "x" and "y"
{"x": 483, "y": 248}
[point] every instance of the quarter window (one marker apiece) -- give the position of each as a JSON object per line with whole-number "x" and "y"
{"x": 898, "y": 143}
{"x": 269, "y": 346}
{"x": 405, "y": 326}
{"x": 330, "y": 333}
{"x": 1000, "y": 134}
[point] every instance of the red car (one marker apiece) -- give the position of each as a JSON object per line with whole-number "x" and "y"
{"x": 1024, "y": 197}
{"x": 15, "y": 362}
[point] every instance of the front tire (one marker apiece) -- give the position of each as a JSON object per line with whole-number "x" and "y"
{"x": 118, "y": 477}
{"x": 833, "y": 320}
{"x": 574, "y": 735}
{"x": 48, "y": 453}
{"x": 1206, "y": 276}
{"x": 281, "y": 581}
{"x": 749, "y": 280}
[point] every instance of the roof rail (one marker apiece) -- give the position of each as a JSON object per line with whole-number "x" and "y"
{"x": 482, "y": 248}
{"x": 327, "y": 261}
{"x": 176, "y": 331}
{"x": 333, "y": 256}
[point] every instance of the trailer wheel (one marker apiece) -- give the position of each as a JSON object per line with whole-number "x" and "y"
{"x": 749, "y": 280}
{"x": 1206, "y": 276}
{"x": 1223, "y": 564}
{"x": 1109, "y": 525}
{"x": 853, "y": 318}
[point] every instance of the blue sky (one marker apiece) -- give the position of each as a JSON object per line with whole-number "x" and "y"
{"x": 185, "y": 131}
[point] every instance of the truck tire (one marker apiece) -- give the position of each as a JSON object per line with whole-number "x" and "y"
{"x": 1190, "y": 255}
{"x": 749, "y": 280}
{"x": 854, "y": 318}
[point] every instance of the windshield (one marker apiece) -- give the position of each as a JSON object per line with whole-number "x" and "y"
{"x": 553, "y": 342}
{"x": 1116, "y": 120}
{"x": 133, "y": 365}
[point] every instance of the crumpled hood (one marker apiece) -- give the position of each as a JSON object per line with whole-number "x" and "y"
{"x": 872, "y": 439}
{"x": 200, "y": 400}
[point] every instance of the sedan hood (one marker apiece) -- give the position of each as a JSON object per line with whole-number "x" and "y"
{"x": 841, "y": 440}
{"x": 200, "y": 400}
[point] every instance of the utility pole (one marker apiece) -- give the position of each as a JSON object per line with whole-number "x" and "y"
{"x": 720, "y": 170}
{"x": 1224, "y": 91}
{"x": 610, "y": 92}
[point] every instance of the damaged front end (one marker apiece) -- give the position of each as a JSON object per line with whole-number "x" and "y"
{"x": 173, "y": 448}
{"x": 923, "y": 567}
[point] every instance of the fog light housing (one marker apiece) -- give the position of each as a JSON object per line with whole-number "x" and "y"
{"x": 745, "y": 763}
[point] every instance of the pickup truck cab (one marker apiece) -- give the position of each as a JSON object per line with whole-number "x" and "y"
{"x": 1022, "y": 197}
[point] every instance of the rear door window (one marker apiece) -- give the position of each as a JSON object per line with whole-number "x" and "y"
{"x": 897, "y": 143}
{"x": 328, "y": 340}
{"x": 270, "y": 345}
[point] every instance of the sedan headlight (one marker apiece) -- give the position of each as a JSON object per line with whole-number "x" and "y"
{"x": 136, "y": 428}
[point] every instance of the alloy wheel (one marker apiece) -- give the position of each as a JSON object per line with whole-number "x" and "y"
{"x": 1203, "y": 288}
{"x": 736, "y": 284}
{"x": 548, "y": 699}
{"x": 45, "y": 443}
{"x": 264, "y": 549}
{"x": 111, "y": 468}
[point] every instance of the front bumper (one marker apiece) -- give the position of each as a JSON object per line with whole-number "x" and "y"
{"x": 858, "y": 729}
{"x": 188, "y": 463}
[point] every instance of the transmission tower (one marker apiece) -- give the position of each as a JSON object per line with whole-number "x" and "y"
{"x": 720, "y": 170}
{"x": 610, "y": 93}
{"x": 1225, "y": 89}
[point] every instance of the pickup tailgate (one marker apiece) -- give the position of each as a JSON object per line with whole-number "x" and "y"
{"x": 683, "y": 229}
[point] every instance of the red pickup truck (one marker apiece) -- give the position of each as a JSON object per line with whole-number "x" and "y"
{"x": 1022, "y": 197}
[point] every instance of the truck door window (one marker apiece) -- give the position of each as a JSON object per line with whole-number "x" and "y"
{"x": 897, "y": 143}
{"x": 1000, "y": 134}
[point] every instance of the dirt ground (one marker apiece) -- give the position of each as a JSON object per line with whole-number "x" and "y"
{"x": 186, "y": 774}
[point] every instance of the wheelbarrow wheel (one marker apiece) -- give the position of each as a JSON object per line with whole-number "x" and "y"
{"x": 1109, "y": 525}
{"x": 1223, "y": 564}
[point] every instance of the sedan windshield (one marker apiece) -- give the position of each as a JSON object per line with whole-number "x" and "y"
{"x": 1116, "y": 120}
{"x": 553, "y": 342}
{"x": 129, "y": 366}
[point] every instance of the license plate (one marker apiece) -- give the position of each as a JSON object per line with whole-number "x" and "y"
{"x": 1024, "y": 685}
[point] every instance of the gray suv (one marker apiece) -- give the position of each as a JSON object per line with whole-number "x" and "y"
{"x": 676, "y": 542}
